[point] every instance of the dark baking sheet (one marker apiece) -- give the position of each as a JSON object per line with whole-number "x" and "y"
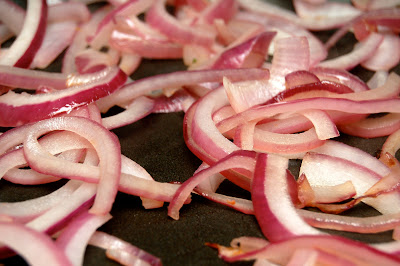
{"x": 156, "y": 143}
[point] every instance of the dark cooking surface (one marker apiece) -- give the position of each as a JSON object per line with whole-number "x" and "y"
{"x": 156, "y": 143}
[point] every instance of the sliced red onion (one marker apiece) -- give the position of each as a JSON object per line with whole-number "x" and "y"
{"x": 60, "y": 214}
{"x": 273, "y": 206}
{"x": 36, "y": 248}
{"x": 380, "y": 60}
{"x": 250, "y": 53}
{"x": 106, "y": 25}
{"x": 239, "y": 204}
{"x": 90, "y": 61}
{"x": 324, "y": 16}
{"x": 359, "y": 54}
{"x": 220, "y": 9}
{"x": 340, "y": 76}
{"x": 27, "y": 210}
{"x": 158, "y": 17}
{"x": 374, "y": 4}
{"x": 240, "y": 159}
{"x": 57, "y": 37}
{"x": 373, "y": 127}
{"x": 327, "y": 170}
{"x": 75, "y": 236}
{"x": 79, "y": 43}
{"x": 321, "y": 196}
{"x": 106, "y": 145}
{"x": 245, "y": 94}
{"x": 148, "y": 189}
{"x": 133, "y": 44}
{"x": 129, "y": 63}
{"x": 383, "y": 17}
{"x": 300, "y": 77}
{"x": 71, "y": 11}
{"x": 175, "y": 79}
{"x": 24, "y": 48}
{"x": 288, "y": 145}
{"x": 5, "y": 34}
{"x": 269, "y": 9}
{"x": 339, "y": 247}
{"x": 54, "y": 144}
{"x": 199, "y": 128}
{"x": 356, "y": 107}
{"x": 130, "y": 167}
{"x": 31, "y": 79}
{"x": 286, "y": 29}
{"x": 392, "y": 144}
{"x": 179, "y": 101}
{"x": 324, "y": 126}
{"x": 355, "y": 155}
{"x": 16, "y": 108}
{"x": 139, "y": 108}
{"x": 12, "y": 15}
{"x": 31, "y": 177}
{"x": 122, "y": 251}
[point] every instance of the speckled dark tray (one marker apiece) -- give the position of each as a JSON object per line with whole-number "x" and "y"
{"x": 156, "y": 143}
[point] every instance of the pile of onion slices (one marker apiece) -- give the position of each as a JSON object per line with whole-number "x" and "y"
{"x": 262, "y": 88}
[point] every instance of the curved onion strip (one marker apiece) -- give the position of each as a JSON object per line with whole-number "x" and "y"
{"x": 129, "y": 252}
{"x": 285, "y": 29}
{"x": 341, "y": 76}
{"x": 58, "y": 36}
{"x": 79, "y": 42}
{"x": 324, "y": 16}
{"x": 54, "y": 144}
{"x": 323, "y": 170}
{"x": 373, "y": 127}
{"x": 250, "y": 53}
{"x": 31, "y": 79}
{"x": 130, "y": 167}
{"x": 392, "y": 144}
{"x": 24, "y": 48}
{"x": 273, "y": 207}
{"x": 31, "y": 177}
{"x": 355, "y": 155}
{"x": 29, "y": 243}
{"x": 176, "y": 79}
{"x": 220, "y": 9}
{"x": 380, "y": 60}
{"x": 288, "y": 145}
{"x": 60, "y": 214}
{"x": 365, "y": 225}
{"x": 324, "y": 126}
{"x": 12, "y": 15}
{"x": 242, "y": 205}
{"x": 105, "y": 143}
{"x": 17, "y": 109}
{"x": 158, "y": 17}
{"x": 154, "y": 49}
{"x": 340, "y": 247}
{"x": 356, "y": 107}
{"x": 25, "y": 211}
{"x": 139, "y": 108}
{"x": 240, "y": 159}
{"x": 106, "y": 25}
{"x": 360, "y": 53}
{"x": 75, "y": 236}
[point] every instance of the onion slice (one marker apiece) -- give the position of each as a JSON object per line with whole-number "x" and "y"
{"x": 105, "y": 143}
{"x": 24, "y": 48}
{"x": 17, "y": 109}
{"x": 34, "y": 247}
